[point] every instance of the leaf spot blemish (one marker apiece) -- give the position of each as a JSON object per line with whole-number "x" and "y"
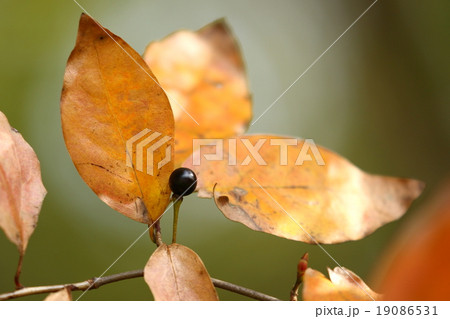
{"x": 238, "y": 193}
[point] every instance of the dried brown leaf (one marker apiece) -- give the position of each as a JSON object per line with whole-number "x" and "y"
{"x": 21, "y": 188}
{"x": 343, "y": 285}
{"x": 61, "y": 295}
{"x": 175, "y": 272}
{"x": 333, "y": 203}
{"x": 109, "y": 96}
{"x": 204, "y": 77}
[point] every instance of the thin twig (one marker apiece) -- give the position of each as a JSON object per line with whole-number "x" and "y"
{"x": 177, "y": 200}
{"x": 242, "y": 290}
{"x": 95, "y": 283}
{"x": 18, "y": 272}
{"x": 294, "y": 291}
{"x": 83, "y": 285}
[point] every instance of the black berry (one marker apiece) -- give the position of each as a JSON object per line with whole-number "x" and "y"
{"x": 182, "y": 181}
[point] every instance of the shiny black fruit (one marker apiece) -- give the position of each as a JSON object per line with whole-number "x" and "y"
{"x": 182, "y": 181}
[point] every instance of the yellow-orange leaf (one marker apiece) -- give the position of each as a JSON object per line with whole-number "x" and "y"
{"x": 204, "y": 77}
{"x": 343, "y": 285}
{"x": 62, "y": 295}
{"x": 109, "y": 96}
{"x": 417, "y": 266}
{"x": 290, "y": 194}
{"x": 175, "y": 272}
{"x": 21, "y": 188}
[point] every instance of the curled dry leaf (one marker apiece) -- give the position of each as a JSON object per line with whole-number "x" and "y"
{"x": 204, "y": 77}
{"x": 417, "y": 265}
{"x": 177, "y": 273}
{"x": 340, "y": 286}
{"x": 278, "y": 185}
{"x": 109, "y": 97}
{"x": 62, "y": 295}
{"x": 21, "y": 188}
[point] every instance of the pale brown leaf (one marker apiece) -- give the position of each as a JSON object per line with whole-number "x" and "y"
{"x": 204, "y": 77}
{"x": 343, "y": 285}
{"x": 300, "y": 200}
{"x": 62, "y": 295}
{"x": 21, "y": 188}
{"x": 175, "y": 272}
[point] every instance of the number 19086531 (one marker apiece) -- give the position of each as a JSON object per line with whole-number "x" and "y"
{"x": 407, "y": 310}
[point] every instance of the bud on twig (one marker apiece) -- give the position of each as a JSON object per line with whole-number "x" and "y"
{"x": 301, "y": 268}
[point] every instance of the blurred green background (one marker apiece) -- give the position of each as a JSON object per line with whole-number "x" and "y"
{"x": 380, "y": 97}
